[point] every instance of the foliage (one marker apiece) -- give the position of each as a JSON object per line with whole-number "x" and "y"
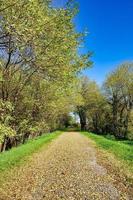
{"x": 6, "y": 110}
{"x": 6, "y": 131}
{"x": 119, "y": 94}
{"x": 92, "y": 105}
{"x": 39, "y": 65}
{"x": 108, "y": 110}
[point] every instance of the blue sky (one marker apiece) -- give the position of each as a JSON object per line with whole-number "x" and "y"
{"x": 110, "y": 26}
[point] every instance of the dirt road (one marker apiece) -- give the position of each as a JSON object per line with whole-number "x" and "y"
{"x": 68, "y": 169}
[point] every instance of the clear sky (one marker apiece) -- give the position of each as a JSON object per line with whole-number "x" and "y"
{"x": 110, "y": 26}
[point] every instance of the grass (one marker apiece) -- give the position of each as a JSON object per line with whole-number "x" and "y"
{"x": 123, "y": 150}
{"x": 20, "y": 154}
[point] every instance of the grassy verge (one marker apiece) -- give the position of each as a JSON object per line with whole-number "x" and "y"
{"x": 123, "y": 150}
{"x": 18, "y": 155}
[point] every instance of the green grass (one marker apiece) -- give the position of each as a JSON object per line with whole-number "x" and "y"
{"x": 123, "y": 150}
{"x": 20, "y": 154}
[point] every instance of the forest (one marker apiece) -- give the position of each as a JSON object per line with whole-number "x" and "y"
{"x": 41, "y": 79}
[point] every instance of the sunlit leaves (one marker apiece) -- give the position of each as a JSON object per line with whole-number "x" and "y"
{"x": 39, "y": 62}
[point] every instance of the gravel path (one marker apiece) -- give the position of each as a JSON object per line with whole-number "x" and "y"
{"x": 66, "y": 170}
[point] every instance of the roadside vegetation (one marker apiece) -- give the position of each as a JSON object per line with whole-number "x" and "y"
{"x": 108, "y": 109}
{"x": 19, "y": 155}
{"x": 123, "y": 150}
{"x": 39, "y": 66}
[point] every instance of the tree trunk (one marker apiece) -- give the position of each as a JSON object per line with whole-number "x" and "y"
{"x": 115, "y": 116}
{"x": 82, "y": 116}
{"x": 3, "y": 146}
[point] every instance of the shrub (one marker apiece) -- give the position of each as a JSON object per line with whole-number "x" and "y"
{"x": 110, "y": 137}
{"x": 6, "y": 131}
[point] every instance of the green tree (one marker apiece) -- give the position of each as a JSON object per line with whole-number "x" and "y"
{"x": 92, "y": 99}
{"x": 119, "y": 93}
{"x": 39, "y": 64}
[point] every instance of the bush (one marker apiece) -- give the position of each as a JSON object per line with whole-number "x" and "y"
{"x": 110, "y": 137}
{"x": 130, "y": 135}
{"x": 6, "y": 131}
{"x": 6, "y": 109}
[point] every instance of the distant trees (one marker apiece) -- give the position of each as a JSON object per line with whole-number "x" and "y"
{"x": 91, "y": 105}
{"x": 39, "y": 64}
{"x": 109, "y": 110}
{"x": 83, "y": 106}
{"x": 119, "y": 94}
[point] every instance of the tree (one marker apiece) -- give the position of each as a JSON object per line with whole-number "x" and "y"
{"x": 119, "y": 93}
{"x": 39, "y": 64}
{"x": 91, "y": 98}
{"x": 108, "y": 110}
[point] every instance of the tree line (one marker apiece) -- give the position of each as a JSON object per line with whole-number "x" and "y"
{"x": 108, "y": 109}
{"x": 39, "y": 67}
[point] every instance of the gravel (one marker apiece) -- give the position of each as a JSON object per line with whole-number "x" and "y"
{"x": 66, "y": 170}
